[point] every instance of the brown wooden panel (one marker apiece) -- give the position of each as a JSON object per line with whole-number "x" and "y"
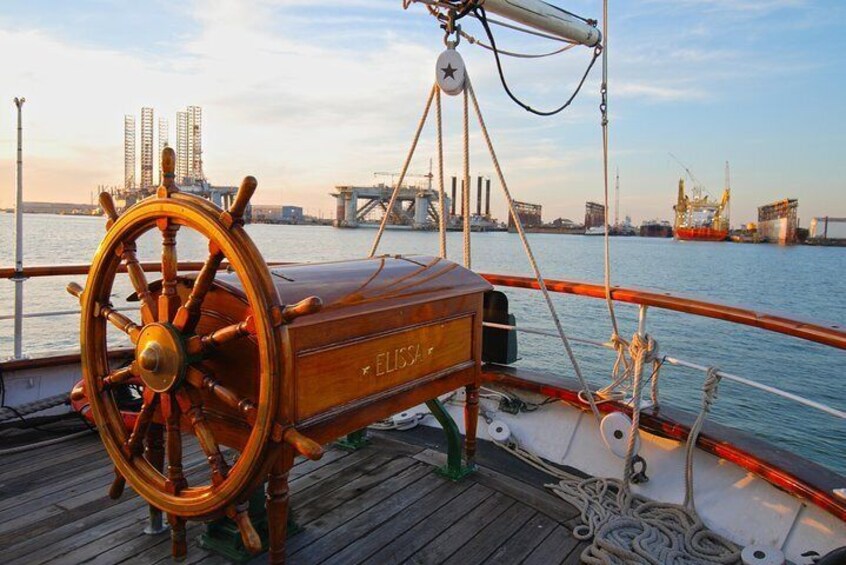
{"x": 340, "y": 374}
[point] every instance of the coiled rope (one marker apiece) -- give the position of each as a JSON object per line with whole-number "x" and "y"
{"x": 629, "y": 528}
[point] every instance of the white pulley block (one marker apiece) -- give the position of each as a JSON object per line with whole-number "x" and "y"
{"x": 450, "y": 72}
{"x": 615, "y": 428}
{"x": 498, "y": 430}
{"x": 405, "y": 421}
{"x": 762, "y": 555}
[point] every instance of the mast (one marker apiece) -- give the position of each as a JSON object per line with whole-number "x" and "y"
{"x": 19, "y": 278}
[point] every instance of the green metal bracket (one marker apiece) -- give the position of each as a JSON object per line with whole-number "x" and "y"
{"x": 223, "y": 537}
{"x": 453, "y": 470}
{"x": 354, "y": 441}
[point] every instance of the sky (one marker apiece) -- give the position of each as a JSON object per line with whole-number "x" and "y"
{"x": 309, "y": 94}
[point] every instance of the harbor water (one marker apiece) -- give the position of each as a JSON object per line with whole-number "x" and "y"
{"x": 801, "y": 282}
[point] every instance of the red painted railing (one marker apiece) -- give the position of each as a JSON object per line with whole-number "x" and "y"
{"x": 833, "y": 335}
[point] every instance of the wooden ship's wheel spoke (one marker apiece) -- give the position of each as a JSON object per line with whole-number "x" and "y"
{"x": 127, "y": 252}
{"x": 176, "y": 480}
{"x": 206, "y": 344}
{"x": 190, "y": 404}
{"x": 201, "y": 379}
{"x": 189, "y": 314}
{"x": 134, "y": 444}
{"x": 124, "y": 376}
{"x": 168, "y": 299}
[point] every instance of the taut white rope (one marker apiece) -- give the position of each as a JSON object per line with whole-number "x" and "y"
{"x": 441, "y": 194}
{"x": 465, "y": 193}
{"x": 468, "y": 88}
{"x": 404, "y": 171}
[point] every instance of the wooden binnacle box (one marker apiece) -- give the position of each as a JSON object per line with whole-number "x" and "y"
{"x": 394, "y": 331}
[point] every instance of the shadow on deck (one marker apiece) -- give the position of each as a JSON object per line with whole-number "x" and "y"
{"x": 381, "y": 504}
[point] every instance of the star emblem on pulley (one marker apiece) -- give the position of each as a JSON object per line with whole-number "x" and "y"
{"x": 450, "y": 72}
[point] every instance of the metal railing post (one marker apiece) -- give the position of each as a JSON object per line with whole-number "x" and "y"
{"x": 19, "y": 278}
{"x": 641, "y": 320}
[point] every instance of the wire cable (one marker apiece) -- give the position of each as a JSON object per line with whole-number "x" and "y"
{"x": 480, "y": 13}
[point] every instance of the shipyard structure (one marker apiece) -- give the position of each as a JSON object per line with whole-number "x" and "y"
{"x": 189, "y": 158}
{"x": 415, "y": 207}
{"x": 778, "y": 222}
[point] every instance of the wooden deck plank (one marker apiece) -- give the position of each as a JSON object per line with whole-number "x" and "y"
{"x": 541, "y": 499}
{"x": 455, "y": 536}
{"x": 380, "y": 504}
{"x": 77, "y": 533}
{"x": 575, "y": 557}
{"x": 38, "y": 464}
{"x": 40, "y": 536}
{"x": 403, "y": 546}
{"x": 554, "y": 549}
{"x": 523, "y": 542}
{"x": 320, "y": 502}
{"x": 476, "y": 550}
{"x": 131, "y": 536}
{"x": 54, "y": 450}
{"x": 337, "y": 538}
{"x": 366, "y": 545}
{"x": 334, "y": 491}
{"x": 58, "y": 511}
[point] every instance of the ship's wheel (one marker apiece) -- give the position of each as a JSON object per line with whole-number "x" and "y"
{"x": 171, "y": 359}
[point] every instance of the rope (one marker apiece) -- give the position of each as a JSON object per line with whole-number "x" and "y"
{"x": 394, "y": 194}
{"x": 630, "y": 528}
{"x": 10, "y": 413}
{"x": 45, "y": 443}
{"x": 620, "y": 345}
{"x": 441, "y": 193}
{"x": 709, "y": 390}
{"x": 465, "y": 193}
{"x": 468, "y": 88}
{"x": 480, "y": 13}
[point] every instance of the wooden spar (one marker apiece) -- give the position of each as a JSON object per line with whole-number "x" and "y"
{"x": 832, "y": 335}
{"x": 547, "y": 18}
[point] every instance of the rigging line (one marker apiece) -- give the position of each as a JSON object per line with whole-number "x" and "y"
{"x": 468, "y": 87}
{"x": 465, "y": 193}
{"x": 603, "y": 106}
{"x": 480, "y": 11}
{"x": 473, "y": 41}
{"x": 441, "y": 192}
{"x": 394, "y": 194}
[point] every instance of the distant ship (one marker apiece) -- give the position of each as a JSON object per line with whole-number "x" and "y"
{"x": 701, "y": 218}
{"x": 595, "y": 230}
{"x": 656, "y": 228}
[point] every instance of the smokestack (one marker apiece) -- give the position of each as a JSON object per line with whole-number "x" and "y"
{"x": 452, "y": 211}
{"x": 479, "y": 197}
{"x": 488, "y": 198}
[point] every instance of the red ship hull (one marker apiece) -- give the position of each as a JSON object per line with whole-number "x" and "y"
{"x": 701, "y": 234}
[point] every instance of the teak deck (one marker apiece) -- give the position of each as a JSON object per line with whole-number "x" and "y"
{"x": 381, "y": 504}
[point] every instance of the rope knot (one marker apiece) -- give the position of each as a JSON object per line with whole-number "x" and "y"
{"x": 709, "y": 387}
{"x": 643, "y": 347}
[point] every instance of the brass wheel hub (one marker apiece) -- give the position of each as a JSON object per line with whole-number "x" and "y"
{"x": 160, "y": 357}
